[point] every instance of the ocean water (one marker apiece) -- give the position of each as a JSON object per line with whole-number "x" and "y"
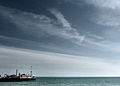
{"x": 42, "y": 81}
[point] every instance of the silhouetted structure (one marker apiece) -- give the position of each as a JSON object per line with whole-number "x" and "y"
{"x": 17, "y": 77}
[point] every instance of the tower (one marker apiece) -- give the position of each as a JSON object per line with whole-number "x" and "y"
{"x": 16, "y": 72}
{"x": 31, "y": 71}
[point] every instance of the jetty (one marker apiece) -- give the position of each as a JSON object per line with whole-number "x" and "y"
{"x": 17, "y": 77}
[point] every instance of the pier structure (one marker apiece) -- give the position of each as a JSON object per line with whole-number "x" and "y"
{"x": 17, "y": 77}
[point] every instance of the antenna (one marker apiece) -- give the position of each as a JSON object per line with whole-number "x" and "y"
{"x": 31, "y": 71}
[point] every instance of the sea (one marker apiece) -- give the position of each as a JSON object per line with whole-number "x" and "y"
{"x": 67, "y": 81}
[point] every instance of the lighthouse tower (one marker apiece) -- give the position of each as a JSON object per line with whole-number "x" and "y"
{"x": 31, "y": 71}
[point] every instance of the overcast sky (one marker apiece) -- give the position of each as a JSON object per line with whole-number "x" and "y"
{"x": 60, "y": 37}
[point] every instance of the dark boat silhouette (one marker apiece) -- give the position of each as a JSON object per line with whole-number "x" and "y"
{"x": 17, "y": 77}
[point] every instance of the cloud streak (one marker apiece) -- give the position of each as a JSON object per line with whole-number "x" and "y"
{"x": 69, "y": 31}
{"x": 34, "y": 23}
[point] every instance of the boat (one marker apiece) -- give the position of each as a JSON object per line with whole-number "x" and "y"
{"x": 17, "y": 77}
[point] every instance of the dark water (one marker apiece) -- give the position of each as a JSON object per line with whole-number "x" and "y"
{"x": 67, "y": 82}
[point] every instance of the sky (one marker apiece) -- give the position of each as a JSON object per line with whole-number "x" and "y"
{"x": 60, "y": 37}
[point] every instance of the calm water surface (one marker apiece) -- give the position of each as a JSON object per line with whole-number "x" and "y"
{"x": 67, "y": 82}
